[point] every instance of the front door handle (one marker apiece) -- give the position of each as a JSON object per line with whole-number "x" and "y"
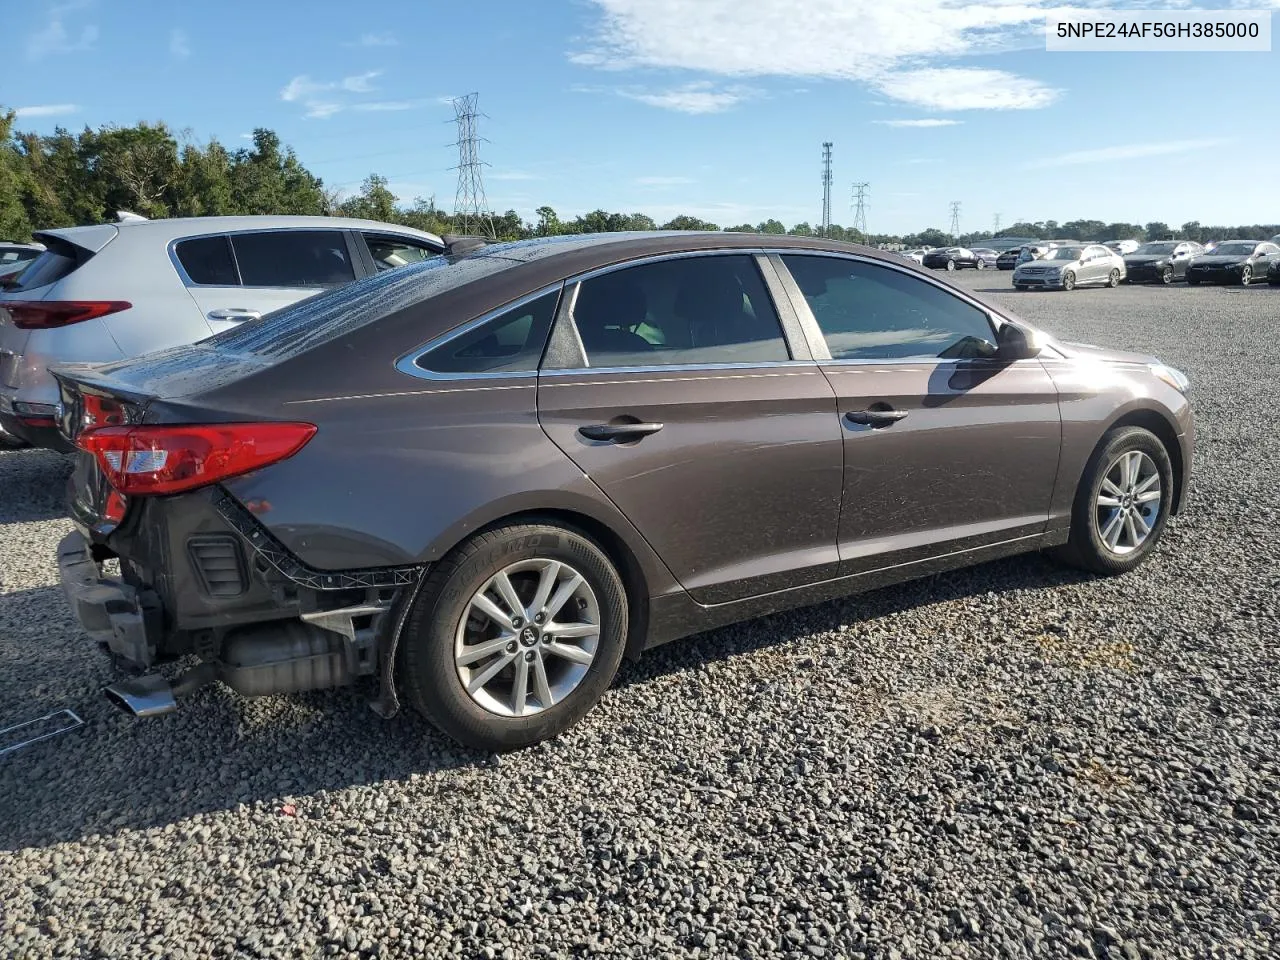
{"x": 875, "y": 418}
{"x": 234, "y": 314}
{"x": 619, "y": 431}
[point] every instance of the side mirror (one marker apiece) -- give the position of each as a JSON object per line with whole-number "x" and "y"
{"x": 1012, "y": 343}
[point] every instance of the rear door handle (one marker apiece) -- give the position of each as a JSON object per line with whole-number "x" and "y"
{"x": 875, "y": 418}
{"x": 234, "y": 314}
{"x": 619, "y": 431}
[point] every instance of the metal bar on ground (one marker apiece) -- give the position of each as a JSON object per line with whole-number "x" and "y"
{"x": 41, "y": 728}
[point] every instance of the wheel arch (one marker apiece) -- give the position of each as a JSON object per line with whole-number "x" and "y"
{"x": 1157, "y": 423}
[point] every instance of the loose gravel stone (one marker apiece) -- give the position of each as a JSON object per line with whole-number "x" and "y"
{"x": 1014, "y": 760}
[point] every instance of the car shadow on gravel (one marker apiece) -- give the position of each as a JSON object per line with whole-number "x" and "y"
{"x": 219, "y": 752}
{"x": 33, "y": 485}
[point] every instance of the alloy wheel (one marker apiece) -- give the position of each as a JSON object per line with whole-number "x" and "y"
{"x": 1068, "y": 281}
{"x": 1246, "y": 275}
{"x": 1128, "y": 503}
{"x": 951, "y": 264}
{"x": 1114, "y": 279}
{"x": 1166, "y": 275}
{"x": 527, "y": 637}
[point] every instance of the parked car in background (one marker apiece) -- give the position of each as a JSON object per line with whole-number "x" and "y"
{"x": 1065, "y": 268}
{"x": 1273, "y": 272}
{"x": 1122, "y": 247}
{"x": 1011, "y": 257}
{"x": 953, "y": 258}
{"x": 1234, "y": 261}
{"x": 15, "y": 256}
{"x": 987, "y": 256}
{"x": 1210, "y": 246}
{"x": 485, "y": 479}
{"x": 1162, "y": 261}
{"x": 1276, "y": 239}
{"x": 916, "y": 255}
{"x": 118, "y": 290}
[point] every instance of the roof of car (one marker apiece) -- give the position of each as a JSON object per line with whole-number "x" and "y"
{"x": 171, "y": 228}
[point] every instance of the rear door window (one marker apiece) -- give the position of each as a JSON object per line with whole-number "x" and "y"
{"x": 390, "y": 251}
{"x": 293, "y": 258}
{"x": 208, "y": 261}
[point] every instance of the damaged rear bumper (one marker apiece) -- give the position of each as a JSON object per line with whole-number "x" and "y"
{"x": 122, "y": 618}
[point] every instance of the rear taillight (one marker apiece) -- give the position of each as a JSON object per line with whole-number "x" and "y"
{"x": 50, "y": 314}
{"x": 101, "y": 412}
{"x": 164, "y": 458}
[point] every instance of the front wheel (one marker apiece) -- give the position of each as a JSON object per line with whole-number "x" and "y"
{"x": 1166, "y": 276}
{"x": 1019, "y": 286}
{"x": 1246, "y": 275}
{"x": 1068, "y": 281}
{"x": 515, "y": 636}
{"x": 951, "y": 266}
{"x": 1122, "y": 503}
{"x": 1192, "y": 281}
{"x": 1114, "y": 279}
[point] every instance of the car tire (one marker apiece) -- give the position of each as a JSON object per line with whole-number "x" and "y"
{"x": 445, "y": 618}
{"x": 1113, "y": 280}
{"x": 951, "y": 266}
{"x": 1068, "y": 281}
{"x": 1273, "y": 281}
{"x": 1166, "y": 276}
{"x": 981, "y": 264}
{"x": 1192, "y": 281}
{"x": 1088, "y": 547}
{"x": 1246, "y": 275}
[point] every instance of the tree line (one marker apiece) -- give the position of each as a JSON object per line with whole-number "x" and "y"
{"x": 65, "y": 179}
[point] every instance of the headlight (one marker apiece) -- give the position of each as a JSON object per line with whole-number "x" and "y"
{"x": 1172, "y": 376}
{"x": 1162, "y": 263}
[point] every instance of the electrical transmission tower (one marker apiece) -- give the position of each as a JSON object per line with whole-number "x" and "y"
{"x": 955, "y": 220}
{"x": 825, "y": 229}
{"x": 860, "y": 208}
{"x": 470, "y": 206}
{"x": 995, "y": 224}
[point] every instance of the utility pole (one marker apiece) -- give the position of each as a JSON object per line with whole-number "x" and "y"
{"x": 470, "y": 206}
{"x": 825, "y": 229}
{"x": 955, "y": 220}
{"x": 860, "y": 208}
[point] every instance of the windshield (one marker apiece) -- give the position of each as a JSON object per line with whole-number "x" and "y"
{"x": 1236, "y": 249}
{"x": 1065, "y": 253}
{"x": 1156, "y": 249}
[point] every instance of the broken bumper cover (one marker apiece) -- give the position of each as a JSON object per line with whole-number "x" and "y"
{"x": 111, "y": 611}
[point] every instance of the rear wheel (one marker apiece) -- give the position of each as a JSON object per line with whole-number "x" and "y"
{"x": 951, "y": 265}
{"x": 516, "y": 635}
{"x": 1122, "y": 503}
{"x": 1068, "y": 281}
{"x": 981, "y": 264}
{"x": 1113, "y": 280}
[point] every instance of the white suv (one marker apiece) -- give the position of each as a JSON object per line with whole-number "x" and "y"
{"x": 118, "y": 290}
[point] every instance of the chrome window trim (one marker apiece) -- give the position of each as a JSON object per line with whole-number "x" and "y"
{"x": 408, "y": 362}
{"x": 343, "y": 231}
{"x": 681, "y": 367}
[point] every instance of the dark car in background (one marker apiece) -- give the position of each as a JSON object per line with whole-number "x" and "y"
{"x": 1273, "y": 273}
{"x": 1162, "y": 261}
{"x": 987, "y": 256}
{"x": 1008, "y": 259}
{"x": 953, "y": 258}
{"x": 484, "y": 479}
{"x": 1234, "y": 261}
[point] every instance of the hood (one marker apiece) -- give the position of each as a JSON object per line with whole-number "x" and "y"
{"x": 1089, "y": 351}
{"x": 1046, "y": 262}
{"x": 1220, "y": 260}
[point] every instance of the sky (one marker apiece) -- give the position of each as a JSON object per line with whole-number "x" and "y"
{"x": 714, "y": 108}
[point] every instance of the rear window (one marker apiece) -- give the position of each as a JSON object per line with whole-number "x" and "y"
{"x": 58, "y": 260}
{"x": 335, "y": 313}
{"x": 293, "y": 258}
{"x": 208, "y": 261}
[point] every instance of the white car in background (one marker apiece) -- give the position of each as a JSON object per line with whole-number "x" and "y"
{"x": 116, "y": 290}
{"x": 1122, "y": 247}
{"x": 916, "y": 255}
{"x": 1068, "y": 267}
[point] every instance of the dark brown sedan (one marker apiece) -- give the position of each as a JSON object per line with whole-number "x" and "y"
{"x": 484, "y": 479}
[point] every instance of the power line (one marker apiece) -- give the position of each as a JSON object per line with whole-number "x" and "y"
{"x": 825, "y": 229}
{"x": 955, "y": 219}
{"x": 860, "y": 208}
{"x": 470, "y": 206}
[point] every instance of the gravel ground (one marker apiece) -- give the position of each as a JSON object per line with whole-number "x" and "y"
{"x": 1008, "y": 761}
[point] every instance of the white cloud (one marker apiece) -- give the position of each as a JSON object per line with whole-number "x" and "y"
{"x": 963, "y": 88}
{"x": 179, "y": 46}
{"x": 381, "y": 106}
{"x": 54, "y": 36}
{"x": 918, "y": 123}
{"x": 319, "y": 95}
{"x": 47, "y": 110}
{"x": 303, "y": 87}
{"x": 699, "y": 97}
{"x": 322, "y": 109}
{"x": 361, "y": 83}
{"x": 1132, "y": 151}
{"x": 376, "y": 40}
{"x": 894, "y": 48}
{"x": 663, "y": 181}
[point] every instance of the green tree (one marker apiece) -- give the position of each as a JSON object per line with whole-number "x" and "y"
{"x": 548, "y": 223}
{"x": 741, "y": 228}
{"x": 771, "y": 226}
{"x": 14, "y": 183}
{"x": 1158, "y": 231}
{"x": 685, "y": 222}
{"x": 801, "y": 230}
{"x": 375, "y": 201}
